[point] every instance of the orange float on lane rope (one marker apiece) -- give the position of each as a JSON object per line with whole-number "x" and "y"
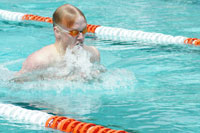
{"x": 90, "y": 28}
{"x": 37, "y": 18}
{"x": 50, "y": 121}
{"x": 78, "y": 127}
{"x": 85, "y": 127}
{"x": 190, "y": 40}
{"x": 64, "y": 123}
{"x": 104, "y": 130}
{"x": 95, "y": 129}
{"x": 197, "y": 42}
{"x": 111, "y": 131}
{"x": 71, "y": 126}
{"x": 57, "y": 121}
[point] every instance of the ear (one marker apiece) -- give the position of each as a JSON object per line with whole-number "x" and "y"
{"x": 56, "y": 32}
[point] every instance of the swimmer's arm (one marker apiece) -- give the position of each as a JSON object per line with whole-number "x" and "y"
{"x": 95, "y": 54}
{"x": 32, "y": 63}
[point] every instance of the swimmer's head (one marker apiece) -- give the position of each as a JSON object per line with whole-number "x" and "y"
{"x": 70, "y": 26}
{"x": 66, "y": 15}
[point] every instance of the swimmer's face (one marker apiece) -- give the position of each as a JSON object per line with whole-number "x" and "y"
{"x": 71, "y": 39}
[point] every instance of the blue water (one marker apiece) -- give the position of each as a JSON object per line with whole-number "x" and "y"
{"x": 147, "y": 87}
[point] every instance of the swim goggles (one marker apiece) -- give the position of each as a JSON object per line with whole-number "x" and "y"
{"x": 73, "y": 32}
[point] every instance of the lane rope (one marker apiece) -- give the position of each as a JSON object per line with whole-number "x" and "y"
{"x": 110, "y": 33}
{"x": 61, "y": 123}
{"x": 41, "y": 118}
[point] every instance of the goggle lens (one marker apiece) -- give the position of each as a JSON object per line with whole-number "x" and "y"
{"x": 76, "y": 32}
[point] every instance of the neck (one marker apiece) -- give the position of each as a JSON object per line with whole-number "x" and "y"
{"x": 61, "y": 49}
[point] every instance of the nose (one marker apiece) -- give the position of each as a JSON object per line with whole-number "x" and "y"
{"x": 81, "y": 37}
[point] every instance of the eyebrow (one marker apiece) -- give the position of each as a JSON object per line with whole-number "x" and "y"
{"x": 78, "y": 30}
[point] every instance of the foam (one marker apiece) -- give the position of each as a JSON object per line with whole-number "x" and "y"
{"x": 92, "y": 81}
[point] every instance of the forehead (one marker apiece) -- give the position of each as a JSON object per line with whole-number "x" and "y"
{"x": 79, "y": 23}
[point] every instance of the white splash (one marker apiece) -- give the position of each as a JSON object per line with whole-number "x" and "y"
{"x": 76, "y": 65}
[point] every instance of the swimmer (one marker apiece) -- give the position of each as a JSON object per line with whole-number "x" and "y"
{"x": 70, "y": 27}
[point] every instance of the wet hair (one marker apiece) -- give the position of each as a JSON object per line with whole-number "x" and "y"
{"x": 66, "y": 15}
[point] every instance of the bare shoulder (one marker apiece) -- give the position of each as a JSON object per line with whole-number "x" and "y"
{"x": 37, "y": 60}
{"x": 95, "y": 53}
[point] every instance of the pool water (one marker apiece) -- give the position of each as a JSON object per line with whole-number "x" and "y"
{"x": 147, "y": 87}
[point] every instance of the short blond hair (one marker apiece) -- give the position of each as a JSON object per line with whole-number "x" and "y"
{"x": 66, "y": 14}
